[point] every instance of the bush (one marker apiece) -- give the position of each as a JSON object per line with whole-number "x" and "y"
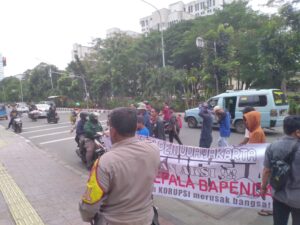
{"x": 294, "y": 105}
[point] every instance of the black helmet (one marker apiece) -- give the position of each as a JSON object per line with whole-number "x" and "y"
{"x": 84, "y": 115}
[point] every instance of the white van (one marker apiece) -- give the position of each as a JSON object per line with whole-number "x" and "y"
{"x": 271, "y": 103}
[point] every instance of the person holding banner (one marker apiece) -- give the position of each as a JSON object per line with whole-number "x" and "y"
{"x": 252, "y": 123}
{"x": 223, "y": 118}
{"x": 119, "y": 189}
{"x": 286, "y": 201}
{"x": 207, "y": 124}
{"x": 157, "y": 129}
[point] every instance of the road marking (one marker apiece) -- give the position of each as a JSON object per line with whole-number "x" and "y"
{"x": 33, "y": 131}
{"x": 46, "y": 125}
{"x": 43, "y": 135}
{"x": 57, "y": 140}
{"x": 20, "y": 208}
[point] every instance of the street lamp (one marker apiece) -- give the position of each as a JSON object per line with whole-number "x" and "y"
{"x": 87, "y": 95}
{"x": 200, "y": 43}
{"x": 161, "y": 32}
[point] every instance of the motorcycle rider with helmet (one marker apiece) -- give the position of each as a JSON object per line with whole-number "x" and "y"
{"x": 52, "y": 111}
{"x": 80, "y": 128}
{"x": 91, "y": 127}
{"x": 13, "y": 114}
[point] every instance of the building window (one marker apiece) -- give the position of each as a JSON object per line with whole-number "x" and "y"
{"x": 214, "y": 2}
{"x": 202, "y": 5}
{"x": 143, "y": 23}
{"x": 209, "y": 11}
{"x": 197, "y": 7}
{"x": 254, "y": 101}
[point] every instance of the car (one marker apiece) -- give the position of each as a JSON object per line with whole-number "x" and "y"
{"x": 49, "y": 102}
{"x": 43, "y": 109}
{"x": 22, "y": 107}
{"x": 271, "y": 103}
{"x": 3, "y": 112}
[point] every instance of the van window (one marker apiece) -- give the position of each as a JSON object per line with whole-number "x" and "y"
{"x": 253, "y": 100}
{"x": 279, "y": 98}
{"x": 213, "y": 102}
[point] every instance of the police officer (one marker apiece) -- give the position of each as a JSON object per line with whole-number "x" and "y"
{"x": 120, "y": 186}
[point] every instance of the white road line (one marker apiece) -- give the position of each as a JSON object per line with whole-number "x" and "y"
{"x": 43, "y": 135}
{"x": 57, "y": 140}
{"x": 33, "y": 131}
{"x": 46, "y": 125}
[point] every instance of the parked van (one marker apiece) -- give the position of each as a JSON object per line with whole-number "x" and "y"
{"x": 271, "y": 103}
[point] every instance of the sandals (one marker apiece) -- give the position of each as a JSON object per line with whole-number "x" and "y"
{"x": 265, "y": 213}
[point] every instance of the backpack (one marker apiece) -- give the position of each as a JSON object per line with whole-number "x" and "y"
{"x": 281, "y": 169}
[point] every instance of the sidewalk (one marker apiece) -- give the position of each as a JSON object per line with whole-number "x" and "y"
{"x": 36, "y": 188}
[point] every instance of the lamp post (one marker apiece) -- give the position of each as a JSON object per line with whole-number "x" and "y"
{"x": 87, "y": 95}
{"x": 200, "y": 43}
{"x": 161, "y": 32}
{"x": 50, "y": 75}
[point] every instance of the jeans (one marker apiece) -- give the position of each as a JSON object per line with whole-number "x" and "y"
{"x": 222, "y": 142}
{"x": 173, "y": 134}
{"x": 281, "y": 213}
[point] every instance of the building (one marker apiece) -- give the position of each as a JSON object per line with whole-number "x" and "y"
{"x": 81, "y": 51}
{"x": 1, "y": 67}
{"x": 178, "y": 12}
{"x": 113, "y": 31}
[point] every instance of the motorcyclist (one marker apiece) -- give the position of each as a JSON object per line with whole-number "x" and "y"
{"x": 73, "y": 116}
{"x": 52, "y": 111}
{"x": 80, "y": 128}
{"x": 13, "y": 114}
{"x": 32, "y": 107}
{"x": 91, "y": 127}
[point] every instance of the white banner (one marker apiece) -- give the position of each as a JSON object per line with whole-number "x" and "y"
{"x": 228, "y": 176}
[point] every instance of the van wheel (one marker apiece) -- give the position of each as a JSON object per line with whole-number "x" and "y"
{"x": 192, "y": 123}
{"x": 240, "y": 126}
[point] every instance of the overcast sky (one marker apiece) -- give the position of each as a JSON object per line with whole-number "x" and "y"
{"x": 34, "y": 31}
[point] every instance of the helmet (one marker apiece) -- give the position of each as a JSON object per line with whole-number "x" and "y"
{"x": 93, "y": 116}
{"x": 83, "y": 115}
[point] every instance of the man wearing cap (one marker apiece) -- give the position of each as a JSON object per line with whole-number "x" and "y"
{"x": 142, "y": 110}
{"x": 223, "y": 118}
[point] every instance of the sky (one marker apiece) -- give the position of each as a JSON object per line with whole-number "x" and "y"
{"x": 34, "y": 31}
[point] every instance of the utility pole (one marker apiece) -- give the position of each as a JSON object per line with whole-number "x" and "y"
{"x": 50, "y": 75}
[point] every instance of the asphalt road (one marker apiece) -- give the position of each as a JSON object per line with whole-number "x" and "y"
{"x": 57, "y": 140}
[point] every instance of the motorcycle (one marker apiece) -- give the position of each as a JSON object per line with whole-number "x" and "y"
{"x": 17, "y": 125}
{"x": 52, "y": 118}
{"x": 100, "y": 150}
{"x": 34, "y": 115}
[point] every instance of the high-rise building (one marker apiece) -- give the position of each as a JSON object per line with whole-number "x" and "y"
{"x": 1, "y": 67}
{"x": 114, "y": 31}
{"x": 178, "y": 12}
{"x": 81, "y": 51}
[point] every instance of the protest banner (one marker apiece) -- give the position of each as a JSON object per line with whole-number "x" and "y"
{"x": 228, "y": 176}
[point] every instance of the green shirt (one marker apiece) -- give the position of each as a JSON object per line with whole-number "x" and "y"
{"x": 91, "y": 129}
